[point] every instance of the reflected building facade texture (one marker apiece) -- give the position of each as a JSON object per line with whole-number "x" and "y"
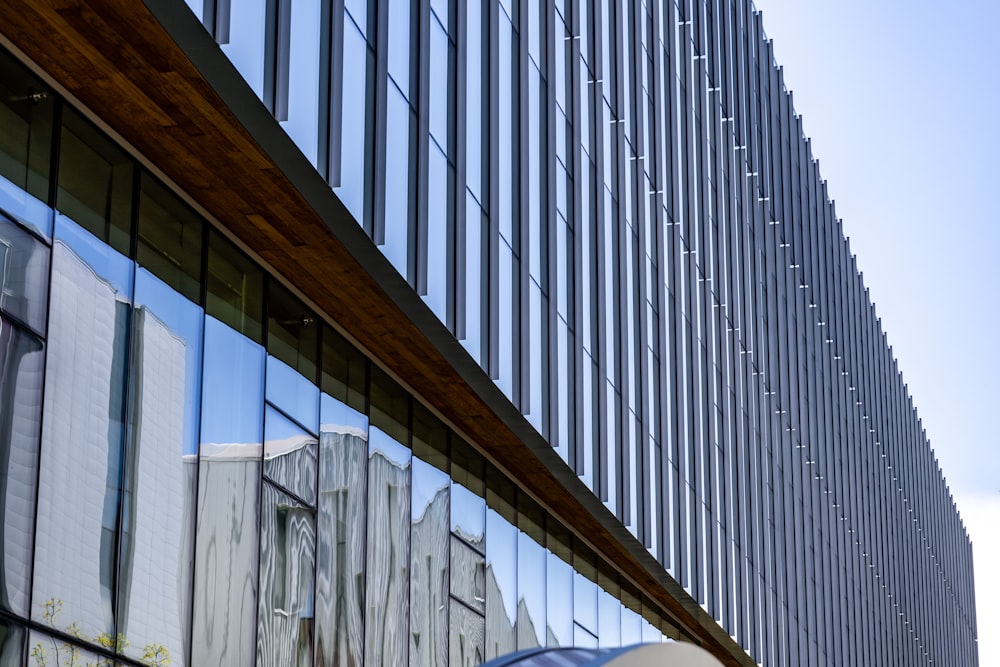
{"x": 611, "y": 211}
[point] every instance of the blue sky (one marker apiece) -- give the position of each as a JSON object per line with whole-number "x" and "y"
{"x": 900, "y": 100}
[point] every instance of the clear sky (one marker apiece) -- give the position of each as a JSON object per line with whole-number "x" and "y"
{"x": 901, "y": 101}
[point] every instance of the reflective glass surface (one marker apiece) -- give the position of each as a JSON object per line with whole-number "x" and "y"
{"x": 501, "y": 586}
{"x": 21, "y": 365}
{"x": 24, "y": 276}
{"x": 440, "y": 178}
{"x": 290, "y": 455}
{"x": 355, "y": 137}
{"x": 429, "y": 556}
{"x": 81, "y": 468}
{"x": 170, "y": 239}
{"x": 235, "y": 288}
{"x": 609, "y": 623}
{"x": 45, "y": 650}
{"x": 531, "y": 593}
{"x": 226, "y": 556}
{"x": 26, "y": 108}
{"x": 11, "y": 645}
{"x": 559, "y": 601}
{"x": 245, "y": 41}
{"x": 157, "y": 539}
{"x": 467, "y": 637}
{"x": 400, "y": 29}
{"x": 95, "y": 182}
{"x": 233, "y": 393}
{"x": 340, "y": 532}
{"x": 302, "y": 124}
{"x": 398, "y": 188}
{"x": 387, "y": 584}
{"x": 285, "y": 617}
{"x": 296, "y": 395}
{"x": 227, "y": 552}
{"x": 468, "y": 516}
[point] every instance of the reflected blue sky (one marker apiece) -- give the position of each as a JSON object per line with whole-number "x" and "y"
{"x": 184, "y": 319}
{"x": 427, "y": 482}
{"x": 392, "y": 450}
{"x": 109, "y": 264}
{"x": 246, "y": 41}
{"x": 293, "y": 393}
{"x": 303, "y": 85}
{"x": 336, "y": 416}
{"x": 468, "y": 514}
{"x": 233, "y": 387}
{"x": 29, "y": 210}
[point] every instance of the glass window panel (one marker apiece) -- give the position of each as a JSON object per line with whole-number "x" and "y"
{"x": 475, "y": 225}
{"x": 537, "y": 362}
{"x": 468, "y": 575}
{"x": 226, "y": 557}
{"x": 439, "y": 258}
{"x": 285, "y": 617}
{"x": 158, "y": 520}
{"x": 80, "y": 477}
{"x": 290, "y": 455}
{"x": 398, "y": 182}
{"x": 501, "y": 586}
{"x": 474, "y": 98}
{"x": 111, "y": 267}
{"x": 95, "y": 182}
{"x": 559, "y": 601}
{"x": 430, "y": 437}
{"x": 609, "y": 622}
{"x": 235, "y": 288}
{"x": 390, "y": 406}
{"x": 582, "y": 638}
{"x": 440, "y": 86}
{"x": 505, "y": 370}
{"x": 47, "y": 650}
{"x": 429, "y": 556}
{"x": 585, "y": 602}
{"x": 302, "y": 124}
{"x": 294, "y": 394}
{"x": 535, "y": 31}
{"x": 356, "y": 129}
{"x": 357, "y": 11}
{"x": 535, "y": 228}
{"x": 400, "y": 31}
{"x": 650, "y": 633}
{"x": 344, "y": 371}
{"x": 506, "y": 145}
{"x": 468, "y": 516}
{"x": 233, "y": 394}
{"x": 467, "y": 637}
{"x": 292, "y": 331}
{"x": 442, "y": 9}
{"x": 26, "y": 108}
{"x": 24, "y": 276}
{"x": 467, "y": 467}
{"x": 11, "y": 645}
{"x": 631, "y": 627}
{"x": 22, "y": 361}
{"x": 387, "y": 591}
{"x": 340, "y": 554}
{"x": 247, "y": 27}
{"x": 170, "y": 238}
{"x": 531, "y": 593}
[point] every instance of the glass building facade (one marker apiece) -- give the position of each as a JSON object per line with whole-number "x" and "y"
{"x": 611, "y": 208}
